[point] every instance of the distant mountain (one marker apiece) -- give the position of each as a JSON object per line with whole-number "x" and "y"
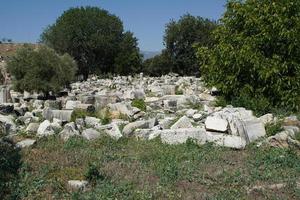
{"x": 149, "y": 54}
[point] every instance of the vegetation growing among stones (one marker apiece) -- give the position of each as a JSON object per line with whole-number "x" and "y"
{"x": 139, "y": 103}
{"x": 131, "y": 169}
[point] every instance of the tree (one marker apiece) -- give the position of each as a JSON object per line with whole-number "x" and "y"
{"x": 129, "y": 60}
{"x": 158, "y": 65}
{"x": 257, "y": 53}
{"x": 41, "y": 70}
{"x": 92, "y": 36}
{"x": 180, "y": 38}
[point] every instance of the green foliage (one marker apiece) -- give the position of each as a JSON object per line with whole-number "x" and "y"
{"x": 139, "y": 103}
{"x": 106, "y": 117}
{"x": 178, "y": 91}
{"x": 260, "y": 105}
{"x": 131, "y": 169}
{"x": 79, "y": 113}
{"x": 297, "y": 136}
{"x": 129, "y": 60}
{"x": 95, "y": 40}
{"x": 92, "y": 173}
{"x": 180, "y": 38}
{"x": 158, "y": 65}
{"x": 75, "y": 142}
{"x": 256, "y": 53}
{"x": 10, "y": 162}
{"x": 273, "y": 128}
{"x": 41, "y": 70}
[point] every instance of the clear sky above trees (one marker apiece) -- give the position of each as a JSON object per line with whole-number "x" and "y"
{"x": 24, "y": 21}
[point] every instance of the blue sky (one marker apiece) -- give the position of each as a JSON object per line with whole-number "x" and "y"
{"x": 24, "y": 20}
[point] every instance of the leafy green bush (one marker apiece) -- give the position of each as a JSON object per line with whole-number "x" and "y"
{"x": 178, "y": 91}
{"x": 92, "y": 173}
{"x": 139, "y": 103}
{"x": 41, "y": 70}
{"x": 297, "y": 136}
{"x": 273, "y": 128}
{"x": 106, "y": 117}
{"x": 79, "y": 113}
{"x": 256, "y": 53}
{"x": 10, "y": 162}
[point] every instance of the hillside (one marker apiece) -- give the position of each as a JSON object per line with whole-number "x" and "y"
{"x": 149, "y": 54}
{"x": 8, "y": 49}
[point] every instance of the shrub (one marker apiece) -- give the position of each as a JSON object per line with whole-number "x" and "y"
{"x": 297, "y": 136}
{"x": 178, "y": 91}
{"x": 92, "y": 173}
{"x": 41, "y": 70}
{"x": 10, "y": 162}
{"x": 139, "y": 103}
{"x": 79, "y": 113}
{"x": 256, "y": 53}
{"x": 106, "y": 117}
{"x": 274, "y": 128}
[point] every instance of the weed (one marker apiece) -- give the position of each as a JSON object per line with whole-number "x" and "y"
{"x": 79, "y": 113}
{"x": 273, "y": 128}
{"x": 297, "y": 136}
{"x": 178, "y": 91}
{"x": 92, "y": 173}
{"x": 106, "y": 118}
{"x": 139, "y": 103}
{"x": 131, "y": 169}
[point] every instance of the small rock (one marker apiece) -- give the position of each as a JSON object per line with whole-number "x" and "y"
{"x": 190, "y": 112}
{"x": 114, "y": 131}
{"x": 183, "y": 122}
{"x": 45, "y": 129}
{"x": 92, "y": 122}
{"x": 91, "y": 134}
{"x": 129, "y": 128}
{"x": 206, "y": 97}
{"x": 70, "y": 105}
{"x": 32, "y": 127}
{"x": 69, "y": 131}
{"x": 197, "y": 117}
{"x": 267, "y": 118}
{"x": 231, "y": 141}
{"x": 25, "y": 143}
{"x": 78, "y": 185}
{"x": 216, "y": 124}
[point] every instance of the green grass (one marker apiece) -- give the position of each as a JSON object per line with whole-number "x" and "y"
{"x": 79, "y": 113}
{"x": 104, "y": 115}
{"x": 139, "y": 103}
{"x": 178, "y": 91}
{"x": 273, "y": 128}
{"x": 297, "y": 136}
{"x": 130, "y": 169}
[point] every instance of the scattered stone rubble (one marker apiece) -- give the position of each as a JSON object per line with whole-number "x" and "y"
{"x": 174, "y": 118}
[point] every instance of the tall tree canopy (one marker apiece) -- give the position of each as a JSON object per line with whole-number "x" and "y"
{"x": 93, "y": 36}
{"x": 257, "y": 52}
{"x": 180, "y": 38}
{"x": 129, "y": 60}
{"x": 158, "y": 65}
